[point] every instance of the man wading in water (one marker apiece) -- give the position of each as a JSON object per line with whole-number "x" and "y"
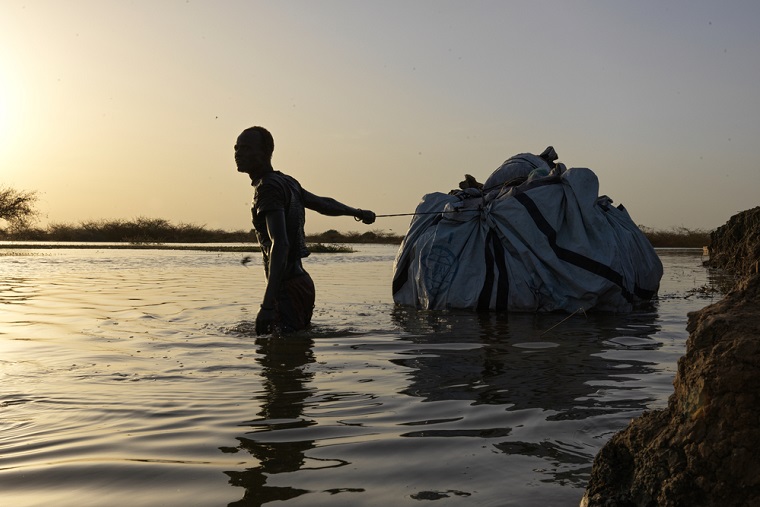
{"x": 278, "y": 219}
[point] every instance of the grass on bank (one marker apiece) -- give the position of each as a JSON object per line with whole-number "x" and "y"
{"x": 153, "y": 233}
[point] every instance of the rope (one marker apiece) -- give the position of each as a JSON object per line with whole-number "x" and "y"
{"x": 419, "y": 213}
{"x": 424, "y": 213}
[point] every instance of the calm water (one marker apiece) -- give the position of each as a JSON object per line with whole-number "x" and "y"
{"x": 135, "y": 378}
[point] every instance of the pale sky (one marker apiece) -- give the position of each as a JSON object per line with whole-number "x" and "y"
{"x": 120, "y": 109}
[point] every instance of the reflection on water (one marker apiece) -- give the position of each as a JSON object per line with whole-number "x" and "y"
{"x": 541, "y": 373}
{"x": 282, "y": 406}
{"x": 137, "y": 375}
{"x": 515, "y": 361}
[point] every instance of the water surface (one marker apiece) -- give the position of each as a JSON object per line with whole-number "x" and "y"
{"x": 134, "y": 377}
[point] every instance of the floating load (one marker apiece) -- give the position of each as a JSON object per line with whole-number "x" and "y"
{"x": 535, "y": 237}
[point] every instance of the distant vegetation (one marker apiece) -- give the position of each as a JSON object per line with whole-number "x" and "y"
{"x": 17, "y": 211}
{"x": 374, "y": 236}
{"x": 138, "y": 231}
{"x": 677, "y": 237}
{"x": 156, "y": 231}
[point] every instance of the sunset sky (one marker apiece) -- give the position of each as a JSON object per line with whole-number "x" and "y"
{"x": 120, "y": 109}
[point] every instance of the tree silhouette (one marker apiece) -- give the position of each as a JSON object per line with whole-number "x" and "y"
{"x": 17, "y": 207}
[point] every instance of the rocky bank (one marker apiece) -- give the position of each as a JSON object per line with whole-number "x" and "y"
{"x": 704, "y": 448}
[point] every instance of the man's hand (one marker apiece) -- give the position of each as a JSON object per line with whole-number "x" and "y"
{"x": 265, "y": 321}
{"x": 366, "y": 216}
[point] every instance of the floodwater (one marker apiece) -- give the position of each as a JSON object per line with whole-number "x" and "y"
{"x": 134, "y": 377}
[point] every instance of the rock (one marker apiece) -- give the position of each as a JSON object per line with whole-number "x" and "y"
{"x": 735, "y": 246}
{"x": 703, "y": 449}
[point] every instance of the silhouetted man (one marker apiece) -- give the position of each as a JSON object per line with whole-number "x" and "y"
{"x": 278, "y": 211}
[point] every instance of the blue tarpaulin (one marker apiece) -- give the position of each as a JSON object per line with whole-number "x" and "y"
{"x": 536, "y": 237}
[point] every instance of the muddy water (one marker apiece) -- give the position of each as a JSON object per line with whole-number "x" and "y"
{"x": 134, "y": 378}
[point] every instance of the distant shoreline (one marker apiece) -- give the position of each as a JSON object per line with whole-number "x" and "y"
{"x": 126, "y": 246}
{"x": 313, "y": 247}
{"x": 159, "y": 233}
{"x": 146, "y": 231}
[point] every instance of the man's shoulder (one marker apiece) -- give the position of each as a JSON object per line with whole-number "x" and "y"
{"x": 287, "y": 184}
{"x": 275, "y": 190}
{"x": 277, "y": 178}
{"x": 287, "y": 178}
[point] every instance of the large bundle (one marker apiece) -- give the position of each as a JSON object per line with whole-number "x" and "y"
{"x": 535, "y": 237}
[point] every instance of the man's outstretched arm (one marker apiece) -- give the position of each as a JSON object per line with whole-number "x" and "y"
{"x": 330, "y": 207}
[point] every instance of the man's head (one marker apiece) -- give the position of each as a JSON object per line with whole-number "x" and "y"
{"x": 253, "y": 151}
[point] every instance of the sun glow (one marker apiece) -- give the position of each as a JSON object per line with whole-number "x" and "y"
{"x": 6, "y": 110}
{"x": 10, "y": 107}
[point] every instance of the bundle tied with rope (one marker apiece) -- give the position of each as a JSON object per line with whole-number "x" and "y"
{"x": 545, "y": 241}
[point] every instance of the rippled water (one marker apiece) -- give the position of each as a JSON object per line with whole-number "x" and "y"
{"x": 133, "y": 377}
